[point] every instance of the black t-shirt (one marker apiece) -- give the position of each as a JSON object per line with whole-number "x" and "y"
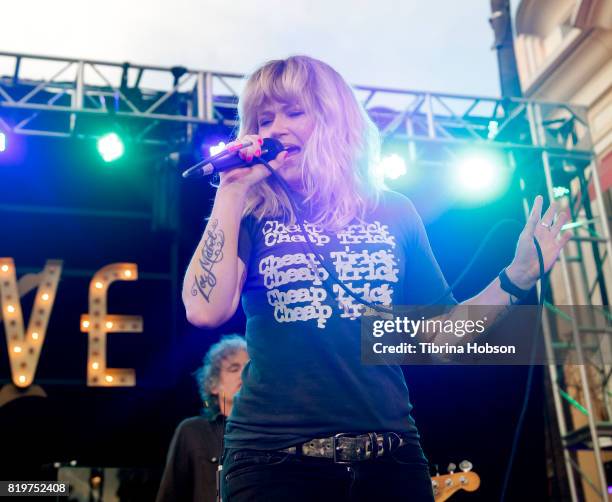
{"x": 305, "y": 378}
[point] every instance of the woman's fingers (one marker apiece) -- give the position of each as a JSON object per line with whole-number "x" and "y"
{"x": 248, "y": 146}
{"x": 252, "y": 174}
{"x": 549, "y": 215}
{"x": 249, "y": 176}
{"x": 279, "y": 160}
{"x": 253, "y": 149}
{"x": 232, "y": 175}
{"x": 561, "y": 220}
{"x": 534, "y": 216}
{"x": 564, "y": 238}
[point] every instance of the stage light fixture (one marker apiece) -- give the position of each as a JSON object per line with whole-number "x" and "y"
{"x": 391, "y": 166}
{"x": 2, "y": 142}
{"x": 110, "y": 147}
{"x": 479, "y": 178}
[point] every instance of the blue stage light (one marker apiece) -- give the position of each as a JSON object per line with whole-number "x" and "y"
{"x": 479, "y": 178}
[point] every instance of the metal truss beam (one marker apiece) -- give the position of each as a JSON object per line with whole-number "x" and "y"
{"x": 67, "y": 93}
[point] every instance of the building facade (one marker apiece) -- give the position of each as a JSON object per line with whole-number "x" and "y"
{"x": 564, "y": 54}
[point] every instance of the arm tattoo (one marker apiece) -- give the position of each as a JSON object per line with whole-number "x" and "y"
{"x": 212, "y": 253}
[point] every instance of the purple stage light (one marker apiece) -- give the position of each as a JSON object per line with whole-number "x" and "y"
{"x": 215, "y": 149}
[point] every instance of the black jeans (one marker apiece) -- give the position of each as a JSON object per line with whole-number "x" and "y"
{"x": 275, "y": 476}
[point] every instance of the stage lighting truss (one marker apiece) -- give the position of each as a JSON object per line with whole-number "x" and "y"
{"x": 51, "y": 96}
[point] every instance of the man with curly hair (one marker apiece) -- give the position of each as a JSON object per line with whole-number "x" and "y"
{"x": 197, "y": 444}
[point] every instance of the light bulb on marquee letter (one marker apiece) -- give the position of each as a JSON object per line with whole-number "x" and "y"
{"x": 97, "y": 323}
{"x": 24, "y": 347}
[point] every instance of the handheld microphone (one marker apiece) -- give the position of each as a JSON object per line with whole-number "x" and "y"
{"x": 229, "y": 159}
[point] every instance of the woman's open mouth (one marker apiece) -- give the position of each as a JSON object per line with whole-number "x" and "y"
{"x": 292, "y": 150}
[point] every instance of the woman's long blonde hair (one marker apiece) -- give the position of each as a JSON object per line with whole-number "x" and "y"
{"x": 340, "y": 154}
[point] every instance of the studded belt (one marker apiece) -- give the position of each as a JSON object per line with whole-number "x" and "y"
{"x": 344, "y": 448}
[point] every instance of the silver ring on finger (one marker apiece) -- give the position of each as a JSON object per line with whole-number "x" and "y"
{"x": 546, "y": 225}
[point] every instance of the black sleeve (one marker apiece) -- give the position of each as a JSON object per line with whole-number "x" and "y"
{"x": 177, "y": 483}
{"x": 425, "y": 282}
{"x": 192, "y": 462}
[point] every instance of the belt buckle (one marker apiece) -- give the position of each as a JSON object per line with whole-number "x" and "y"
{"x": 374, "y": 446}
{"x": 394, "y": 435}
{"x": 372, "y": 453}
{"x": 336, "y": 447}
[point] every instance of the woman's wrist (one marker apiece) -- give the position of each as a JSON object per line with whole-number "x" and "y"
{"x": 519, "y": 277}
{"x": 233, "y": 190}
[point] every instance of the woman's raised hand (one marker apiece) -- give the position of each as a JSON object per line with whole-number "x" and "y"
{"x": 524, "y": 270}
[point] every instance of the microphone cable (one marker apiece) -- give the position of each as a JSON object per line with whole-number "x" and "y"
{"x": 529, "y": 382}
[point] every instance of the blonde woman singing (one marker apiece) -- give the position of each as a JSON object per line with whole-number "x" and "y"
{"x": 310, "y": 421}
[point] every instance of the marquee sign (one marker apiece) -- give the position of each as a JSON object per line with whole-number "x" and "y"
{"x": 25, "y": 345}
